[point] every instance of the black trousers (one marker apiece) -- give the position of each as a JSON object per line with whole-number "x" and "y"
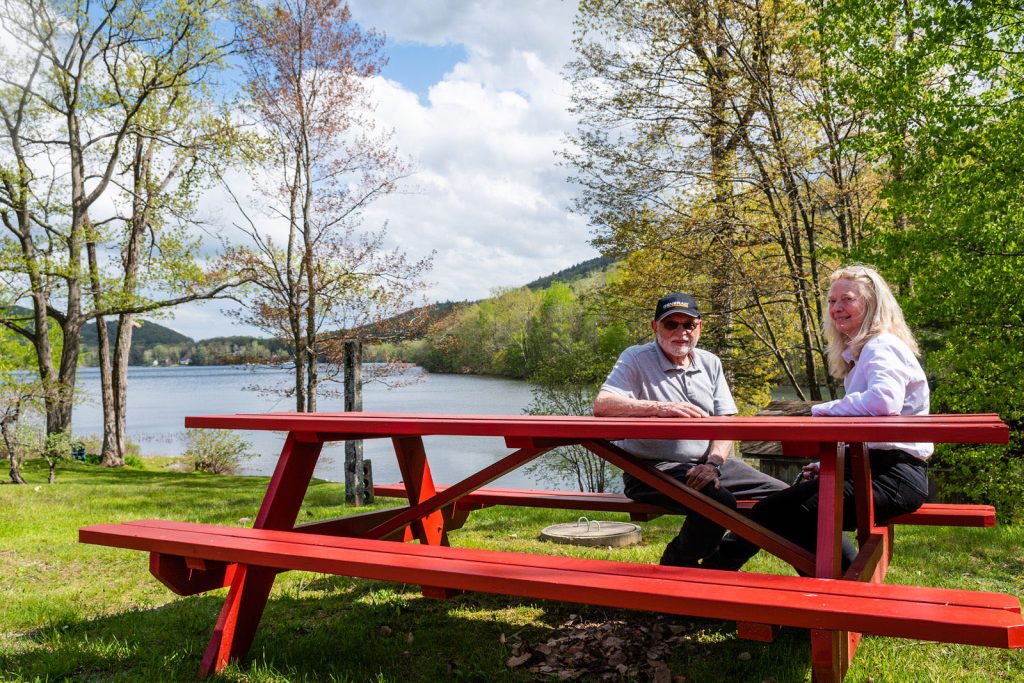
{"x": 699, "y": 537}
{"x": 899, "y": 484}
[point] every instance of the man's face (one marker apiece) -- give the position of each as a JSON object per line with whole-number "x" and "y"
{"x": 673, "y": 336}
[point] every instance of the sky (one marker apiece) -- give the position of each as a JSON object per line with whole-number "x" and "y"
{"x": 475, "y": 96}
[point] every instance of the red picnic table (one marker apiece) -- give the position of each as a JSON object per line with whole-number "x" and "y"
{"x": 835, "y": 607}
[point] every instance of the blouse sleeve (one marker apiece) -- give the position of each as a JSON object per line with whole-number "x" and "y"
{"x": 885, "y": 378}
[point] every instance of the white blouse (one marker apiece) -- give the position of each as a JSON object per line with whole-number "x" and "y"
{"x": 885, "y": 380}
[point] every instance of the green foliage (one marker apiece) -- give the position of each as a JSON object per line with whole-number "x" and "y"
{"x": 217, "y": 451}
{"x": 983, "y": 474}
{"x": 941, "y": 82}
{"x": 155, "y": 344}
{"x": 572, "y": 273}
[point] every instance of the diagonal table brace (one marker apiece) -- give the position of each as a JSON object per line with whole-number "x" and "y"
{"x": 788, "y": 551}
{"x": 456, "y": 491}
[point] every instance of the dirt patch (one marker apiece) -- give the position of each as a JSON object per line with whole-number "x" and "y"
{"x": 611, "y": 650}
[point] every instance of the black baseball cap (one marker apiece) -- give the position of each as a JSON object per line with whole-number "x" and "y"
{"x": 676, "y": 303}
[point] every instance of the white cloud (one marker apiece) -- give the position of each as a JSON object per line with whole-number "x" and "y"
{"x": 487, "y": 192}
{"x": 490, "y": 196}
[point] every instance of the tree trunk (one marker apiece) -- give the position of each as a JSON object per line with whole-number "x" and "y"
{"x": 122, "y": 348}
{"x": 12, "y": 453}
{"x": 354, "y": 484}
{"x": 108, "y": 452}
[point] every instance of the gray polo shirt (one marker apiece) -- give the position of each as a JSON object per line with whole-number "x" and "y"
{"x": 645, "y": 372}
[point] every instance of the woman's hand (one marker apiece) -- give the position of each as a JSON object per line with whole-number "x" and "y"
{"x": 809, "y": 472}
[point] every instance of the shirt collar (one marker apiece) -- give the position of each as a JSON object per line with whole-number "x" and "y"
{"x": 848, "y": 354}
{"x": 668, "y": 365}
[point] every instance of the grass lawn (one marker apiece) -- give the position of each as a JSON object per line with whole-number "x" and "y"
{"x": 81, "y": 612}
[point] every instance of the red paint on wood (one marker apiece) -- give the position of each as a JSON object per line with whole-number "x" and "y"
{"x": 456, "y": 491}
{"x": 250, "y": 588}
{"x": 698, "y": 502}
{"x": 929, "y": 514}
{"x": 902, "y": 611}
{"x": 749, "y": 630}
{"x": 334, "y": 426}
{"x": 412, "y": 463}
{"x": 828, "y": 561}
{"x": 173, "y": 571}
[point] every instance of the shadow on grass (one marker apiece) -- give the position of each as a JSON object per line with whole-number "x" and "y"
{"x": 319, "y": 628}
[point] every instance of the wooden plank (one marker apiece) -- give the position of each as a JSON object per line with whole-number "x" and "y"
{"x": 929, "y": 514}
{"x": 142, "y": 532}
{"x": 900, "y": 611}
{"x": 930, "y": 428}
{"x": 412, "y": 462}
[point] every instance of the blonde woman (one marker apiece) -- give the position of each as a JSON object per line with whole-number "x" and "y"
{"x": 871, "y": 349}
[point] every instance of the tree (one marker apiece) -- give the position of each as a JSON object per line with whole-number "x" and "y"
{"x": 76, "y": 93}
{"x": 942, "y": 82}
{"x": 20, "y": 392}
{"x": 175, "y": 153}
{"x": 713, "y": 157}
{"x": 306, "y": 65}
{"x": 575, "y": 349}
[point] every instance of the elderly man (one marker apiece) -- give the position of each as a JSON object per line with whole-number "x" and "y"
{"x": 671, "y": 378}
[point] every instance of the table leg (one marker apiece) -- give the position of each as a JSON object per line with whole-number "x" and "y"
{"x": 830, "y": 650}
{"x": 875, "y": 542}
{"x": 250, "y": 588}
{"x": 419, "y": 484}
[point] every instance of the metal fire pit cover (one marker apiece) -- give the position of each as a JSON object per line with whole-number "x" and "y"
{"x": 593, "y": 533}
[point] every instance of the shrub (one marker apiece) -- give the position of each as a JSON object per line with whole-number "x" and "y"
{"x": 982, "y": 474}
{"x": 217, "y": 451}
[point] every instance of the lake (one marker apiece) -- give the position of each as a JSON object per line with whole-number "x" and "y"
{"x": 159, "y": 399}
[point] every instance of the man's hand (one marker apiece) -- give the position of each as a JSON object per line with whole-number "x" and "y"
{"x": 608, "y": 404}
{"x": 701, "y": 475}
{"x": 680, "y": 409}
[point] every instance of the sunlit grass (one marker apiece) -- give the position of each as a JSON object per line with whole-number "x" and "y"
{"x": 82, "y": 612}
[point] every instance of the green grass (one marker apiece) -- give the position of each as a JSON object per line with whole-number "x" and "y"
{"x": 88, "y": 613}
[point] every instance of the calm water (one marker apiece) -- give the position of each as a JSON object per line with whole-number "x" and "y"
{"x": 160, "y": 398}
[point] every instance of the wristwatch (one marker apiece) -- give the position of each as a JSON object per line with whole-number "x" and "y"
{"x": 718, "y": 468}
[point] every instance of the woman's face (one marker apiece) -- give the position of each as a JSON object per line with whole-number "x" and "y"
{"x": 846, "y": 306}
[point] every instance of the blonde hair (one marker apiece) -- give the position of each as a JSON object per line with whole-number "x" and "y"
{"x": 882, "y": 314}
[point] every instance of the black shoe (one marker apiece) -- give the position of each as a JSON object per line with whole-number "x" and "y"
{"x": 717, "y": 560}
{"x": 673, "y": 558}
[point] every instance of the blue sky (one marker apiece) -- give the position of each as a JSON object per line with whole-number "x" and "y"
{"x": 417, "y": 66}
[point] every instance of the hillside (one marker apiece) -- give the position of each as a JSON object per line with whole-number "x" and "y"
{"x": 153, "y": 343}
{"x": 147, "y": 333}
{"x": 580, "y": 270}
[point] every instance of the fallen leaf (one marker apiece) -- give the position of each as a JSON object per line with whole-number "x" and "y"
{"x": 518, "y": 660}
{"x": 660, "y": 673}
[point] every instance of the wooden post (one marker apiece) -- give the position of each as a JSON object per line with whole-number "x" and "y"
{"x": 357, "y": 480}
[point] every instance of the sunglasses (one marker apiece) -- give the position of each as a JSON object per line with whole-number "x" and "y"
{"x": 689, "y": 325}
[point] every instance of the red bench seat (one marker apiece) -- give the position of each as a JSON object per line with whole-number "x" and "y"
{"x": 942, "y": 615}
{"x": 929, "y": 514}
